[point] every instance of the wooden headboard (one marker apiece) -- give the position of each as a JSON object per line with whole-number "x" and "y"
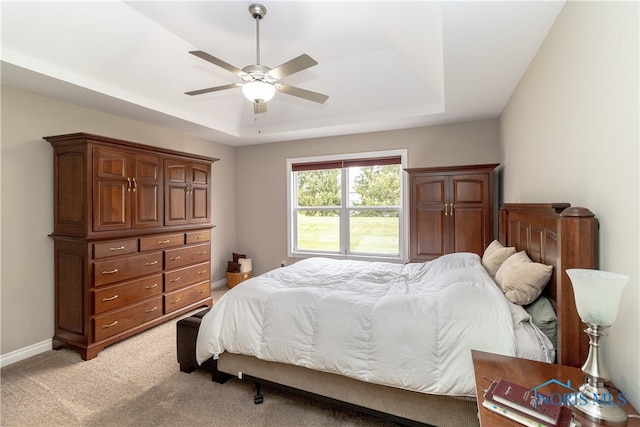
{"x": 564, "y": 237}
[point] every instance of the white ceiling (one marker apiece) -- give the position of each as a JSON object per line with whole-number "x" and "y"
{"x": 384, "y": 64}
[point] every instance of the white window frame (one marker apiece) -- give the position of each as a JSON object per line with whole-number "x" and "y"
{"x": 344, "y": 230}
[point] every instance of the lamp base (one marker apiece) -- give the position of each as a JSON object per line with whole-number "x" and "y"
{"x": 611, "y": 415}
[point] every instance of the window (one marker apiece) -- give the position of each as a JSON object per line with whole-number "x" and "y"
{"x": 348, "y": 206}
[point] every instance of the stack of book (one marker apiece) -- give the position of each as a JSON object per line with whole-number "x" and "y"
{"x": 524, "y": 406}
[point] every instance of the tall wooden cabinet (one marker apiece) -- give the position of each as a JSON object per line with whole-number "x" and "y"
{"x": 451, "y": 210}
{"x": 132, "y": 238}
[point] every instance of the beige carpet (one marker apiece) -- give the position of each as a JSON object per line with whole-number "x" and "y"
{"x": 138, "y": 383}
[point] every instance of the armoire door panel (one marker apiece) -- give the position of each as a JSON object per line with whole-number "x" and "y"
{"x": 113, "y": 211}
{"x": 176, "y": 206}
{"x": 199, "y": 205}
{"x": 111, "y": 164}
{"x": 430, "y": 190}
{"x": 470, "y": 228}
{"x": 112, "y": 188}
{"x": 147, "y": 192}
{"x": 469, "y": 190}
{"x": 148, "y": 206}
{"x": 431, "y": 233}
{"x": 199, "y": 174}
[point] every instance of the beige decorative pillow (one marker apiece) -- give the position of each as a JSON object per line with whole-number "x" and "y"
{"x": 521, "y": 279}
{"x": 495, "y": 255}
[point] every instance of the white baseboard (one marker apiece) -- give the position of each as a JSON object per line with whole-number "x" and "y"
{"x": 46, "y": 345}
{"x": 218, "y": 283}
{"x": 25, "y": 352}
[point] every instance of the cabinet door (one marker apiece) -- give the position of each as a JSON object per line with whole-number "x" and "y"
{"x": 470, "y": 213}
{"x": 200, "y": 174}
{"x": 111, "y": 190}
{"x": 176, "y": 187}
{"x": 429, "y": 230}
{"x": 147, "y": 191}
{"x": 187, "y": 192}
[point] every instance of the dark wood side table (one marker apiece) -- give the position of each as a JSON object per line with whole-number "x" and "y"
{"x": 489, "y": 367}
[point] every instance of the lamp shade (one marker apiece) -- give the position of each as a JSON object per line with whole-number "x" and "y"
{"x": 258, "y": 91}
{"x": 597, "y": 294}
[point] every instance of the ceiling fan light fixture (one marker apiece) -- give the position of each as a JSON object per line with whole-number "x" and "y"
{"x": 258, "y": 91}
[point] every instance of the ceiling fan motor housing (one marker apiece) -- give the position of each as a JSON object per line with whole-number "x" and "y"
{"x": 258, "y": 11}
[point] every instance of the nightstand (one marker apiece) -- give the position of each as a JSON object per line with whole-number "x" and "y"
{"x": 529, "y": 373}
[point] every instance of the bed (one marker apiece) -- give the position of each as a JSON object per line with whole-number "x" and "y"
{"x": 345, "y": 354}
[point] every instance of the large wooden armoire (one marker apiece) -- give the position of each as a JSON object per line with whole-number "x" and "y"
{"x": 451, "y": 210}
{"x": 132, "y": 238}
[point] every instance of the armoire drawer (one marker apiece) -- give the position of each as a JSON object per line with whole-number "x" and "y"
{"x": 115, "y": 248}
{"x": 161, "y": 241}
{"x": 198, "y": 236}
{"x": 182, "y": 277}
{"x": 113, "y": 323}
{"x": 124, "y": 268}
{"x": 174, "y": 258}
{"x": 112, "y": 297}
{"x": 176, "y": 300}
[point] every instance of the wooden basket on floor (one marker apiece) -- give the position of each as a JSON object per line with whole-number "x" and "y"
{"x": 235, "y": 278}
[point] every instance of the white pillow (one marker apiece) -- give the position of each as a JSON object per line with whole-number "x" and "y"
{"x": 495, "y": 255}
{"x": 521, "y": 279}
{"x": 245, "y": 264}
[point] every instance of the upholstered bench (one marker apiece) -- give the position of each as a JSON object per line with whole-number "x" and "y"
{"x": 187, "y": 333}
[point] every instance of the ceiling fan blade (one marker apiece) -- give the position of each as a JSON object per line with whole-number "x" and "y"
{"x": 300, "y": 63}
{"x": 219, "y": 62}
{"x": 259, "y": 107}
{"x": 302, "y": 93}
{"x": 212, "y": 89}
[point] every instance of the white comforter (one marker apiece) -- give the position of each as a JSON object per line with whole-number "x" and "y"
{"x": 410, "y": 326}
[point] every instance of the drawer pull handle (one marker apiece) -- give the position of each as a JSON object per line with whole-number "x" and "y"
{"x": 175, "y": 300}
{"x": 164, "y": 242}
{"x": 115, "y": 270}
{"x": 110, "y": 325}
{"x": 202, "y": 253}
{"x": 198, "y": 237}
{"x": 150, "y": 263}
{"x": 110, "y": 298}
{"x": 175, "y": 258}
{"x": 177, "y": 279}
{"x": 117, "y": 249}
{"x": 202, "y": 272}
{"x": 202, "y": 291}
{"x": 155, "y": 285}
{"x": 151, "y": 309}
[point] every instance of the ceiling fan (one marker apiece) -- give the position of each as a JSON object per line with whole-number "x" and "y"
{"x": 259, "y": 81}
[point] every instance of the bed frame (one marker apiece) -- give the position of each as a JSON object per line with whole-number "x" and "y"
{"x": 554, "y": 234}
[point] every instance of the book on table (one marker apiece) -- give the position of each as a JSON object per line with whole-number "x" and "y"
{"x": 525, "y": 405}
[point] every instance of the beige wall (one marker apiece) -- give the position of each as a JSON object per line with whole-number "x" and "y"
{"x": 26, "y": 303}
{"x": 261, "y": 177}
{"x": 570, "y": 133}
